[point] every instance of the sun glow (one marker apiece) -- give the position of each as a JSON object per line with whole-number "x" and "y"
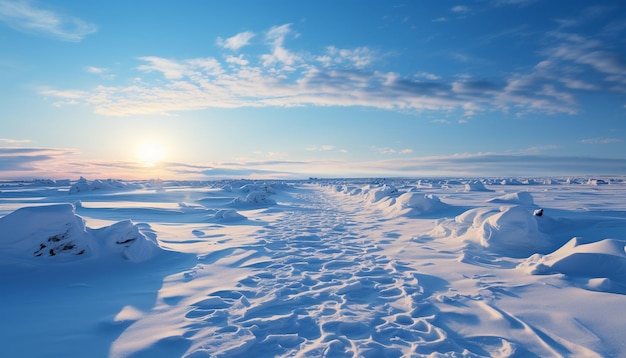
{"x": 149, "y": 153}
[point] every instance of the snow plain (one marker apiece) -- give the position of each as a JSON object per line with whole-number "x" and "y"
{"x": 317, "y": 268}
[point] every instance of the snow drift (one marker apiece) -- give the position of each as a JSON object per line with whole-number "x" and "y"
{"x": 419, "y": 203}
{"x": 84, "y": 186}
{"x": 521, "y": 198}
{"x": 44, "y": 231}
{"x": 254, "y": 198}
{"x": 226, "y": 215}
{"x": 383, "y": 192}
{"x": 476, "y": 185}
{"x": 511, "y": 231}
{"x": 390, "y": 200}
{"x": 601, "y": 259}
{"x": 55, "y": 232}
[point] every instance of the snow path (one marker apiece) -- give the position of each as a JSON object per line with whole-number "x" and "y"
{"x": 328, "y": 286}
{"x": 316, "y": 280}
{"x": 318, "y": 286}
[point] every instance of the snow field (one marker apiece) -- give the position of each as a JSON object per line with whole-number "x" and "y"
{"x": 337, "y": 268}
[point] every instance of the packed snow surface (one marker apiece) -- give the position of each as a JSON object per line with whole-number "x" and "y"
{"x": 454, "y": 267}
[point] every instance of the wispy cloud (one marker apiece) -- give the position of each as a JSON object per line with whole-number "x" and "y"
{"x": 573, "y": 54}
{"x": 276, "y": 38}
{"x": 601, "y": 140}
{"x": 236, "y": 42}
{"x": 95, "y": 70}
{"x": 540, "y": 148}
{"x": 281, "y": 77}
{"x": 496, "y": 164}
{"x": 512, "y": 2}
{"x": 174, "y": 70}
{"x": 321, "y": 148}
{"x": 388, "y": 150}
{"x": 100, "y": 71}
{"x": 53, "y": 163}
{"x": 64, "y": 97}
{"x": 428, "y": 76}
{"x": 14, "y": 141}
{"x": 23, "y": 16}
{"x": 22, "y": 162}
{"x": 359, "y": 57}
{"x": 239, "y": 60}
{"x": 461, "y": 9}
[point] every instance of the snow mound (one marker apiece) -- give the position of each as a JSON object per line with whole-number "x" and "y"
{"x": 250, "y": 188}
{"x": 56, "y": 232}
{"x": 476, "y": 185}
{"x": 255, "y": 198}
{"x": 521, "y": 198}
{"x": 596, "y": 182}
{"x": 511, "y": 231}
{"x": 126, "y": 240}
{"x": 190, "y": 208}
{"x": 382, "y": 192}
{"x": 84, "y": 186}
{"x": 44, "y": 231}
{"x": 420, "y": 203}
{"x": 225, "y": 215}
{"x": 602, "y": 259}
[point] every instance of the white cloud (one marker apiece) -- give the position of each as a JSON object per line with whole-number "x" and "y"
{"x": 24, "y": 17}
{"x": 603, "y": 61}
{"x": 208, "y": 65}
{"x": 601, "y": 140}
{"x": 194, "y": 84}
{"x": 14, "y": 141}
{"x": 100, "y": 71}
{"x": 175, "y": 70}
{"x": 276, "y": 37}
{"x": 428, "y": 76}
{"x": 325, "y": 60}
{"x": 277, "y": 34}
{"x": 512, "y": 2}
{"x": 169, "y": 68}
{"x": 65, "y": 97}
{"x": 239, "y": 60}
{"x": 572, "y": 53}
{"x": 577, "y": 84}
{"x": 540, "y": 148}
{"x": 460, "y": 9}
{"x": 336, "y": 77}
{"x": 321, "y": 148}
{"x": 95, "y": 70}
{"x": 389, "y": 151}
{"x": 236, "y": 42}
{"x": 359, "y": 57}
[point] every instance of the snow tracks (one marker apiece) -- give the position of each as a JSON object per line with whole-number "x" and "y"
{"x": 325, "y": 290}
{"x": 316, "y": 284}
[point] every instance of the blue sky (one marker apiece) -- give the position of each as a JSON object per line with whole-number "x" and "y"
{"x": 291, "y": 89}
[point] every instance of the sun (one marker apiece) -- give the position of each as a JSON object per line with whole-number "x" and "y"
{"x": 149, "y": 153}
